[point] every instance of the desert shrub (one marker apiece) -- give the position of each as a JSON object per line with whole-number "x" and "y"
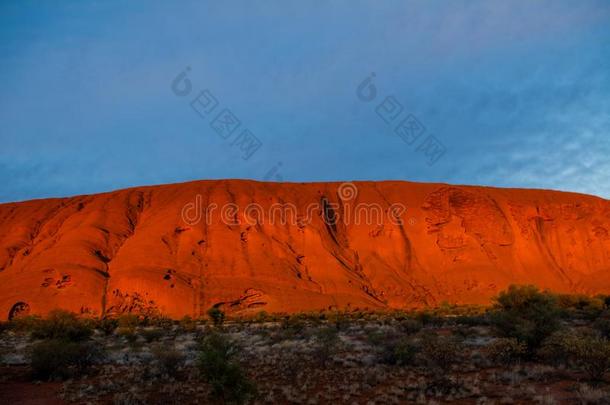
{"x": 107, "y": 325}
{"x": 128, "y": 320}
{"x": 557, "y": 349}
{"x": 592, "y": 355}
{"x": 526, "y": 314}
{"x": 464, "y": 332}
{"x": 216, "y": 315}
{"x": 339, "y": 319}
{"x": 588, "y": 395}
{"x": 219, "y": 368}
{"x": 397, "y": 351}
{"x": 160, "y": 321}
{"x": 129, "y": 333}
{"x": 588, "y": 353}
{"x": 188, "y": 324}
{"x": 506, "y": 351}
{"x": 441, "y": 352}
{"x": 602, "y": 325}
{"x": 572, "y": 301}
{"x": 472, "y": 320}
{"x": 24, "y": 323}
{"x": 410, "y": 325}
{"x": 52, "y": 359}
{"x": 581, "y": 306}
{"x": 291, "y": 327}
{"x": 427, "y": 318}
{"x": 445, "y": 308}
{"x": 151, "y": 335}
{"x": 63, "y": 325}
{"x": 392, "y": 348}
{"x": 376, "y": 337}
{"x": 130, "y": 397}
{"x": 399, "y": 315}
{"x": 168, "y": 359}
{"x": 327, "y": 341}
{"x": 261, "y": 316}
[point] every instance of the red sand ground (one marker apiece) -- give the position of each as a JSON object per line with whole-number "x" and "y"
{"x": 131, "y": 250}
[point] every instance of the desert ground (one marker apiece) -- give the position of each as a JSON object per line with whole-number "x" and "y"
{"x": 530, "y": 347}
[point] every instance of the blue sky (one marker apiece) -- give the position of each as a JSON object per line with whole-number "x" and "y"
{"x": 517, "y": 92}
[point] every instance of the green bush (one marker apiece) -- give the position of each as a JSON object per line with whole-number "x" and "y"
{"x": 581, "y": 306}
{"x": 107, "y": 325}
{"x": 506, "y": 351}
{"x": 294, "y": 324}
{"x": 327, "y": 341}
{"x": 410, "y": 326}
{"x": 399, "y": 352}
{"x": 188, "y": 324}
{"x": 261, "y": 316}
{"x": 602, "y": 325}
{"x": 427, "y": 318}
{"x": 168, "y": 360}
{"x": 62, "y": 325}
{"x": 160, "y": 321}
{"x": 128, "y": 320}
{"x": 441, "y": 353}
{"x": 339, "y": 319}
{"x": 129, "y": 333}
{"x": 557, "y": 349}
{"x": 152, "y": 335}
{"x": 58, "y": 359}
{"x": 24, "y": 323}
{"x": 526, "y": 314}
{"x": 216, "y": 315}
{"x": 592, "y": 355}
{"x": 472, "y": 320}
{"x": 588, "y": 353}
{"x": 219, "y": 368}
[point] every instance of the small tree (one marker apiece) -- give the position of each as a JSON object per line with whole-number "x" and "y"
{"x": 168, "y": 360}
{"x": 441, "y": 353}
{"x": 506, "y": 351}
{"x": 216, "y": 315}
{"x": 188, "y": 324}
{"x": 218, "y": 368}
{"x": 592, "y": 355}
{"x": 63, "y": 325}
{"x": 58, "y": 359}
{"x": 526, "y": 314}
{"x": 327, "y": 340}
{"x": 558, "y": 349}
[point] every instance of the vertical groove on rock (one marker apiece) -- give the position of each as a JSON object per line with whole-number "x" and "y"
{"x": 133, "y": 212}
{"x": 410, "y": 257}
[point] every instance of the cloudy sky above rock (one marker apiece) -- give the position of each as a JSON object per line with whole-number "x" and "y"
{"x": 516, "y": 93}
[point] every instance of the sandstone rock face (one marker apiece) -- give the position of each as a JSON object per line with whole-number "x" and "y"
{"x": 284, "y": 247}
